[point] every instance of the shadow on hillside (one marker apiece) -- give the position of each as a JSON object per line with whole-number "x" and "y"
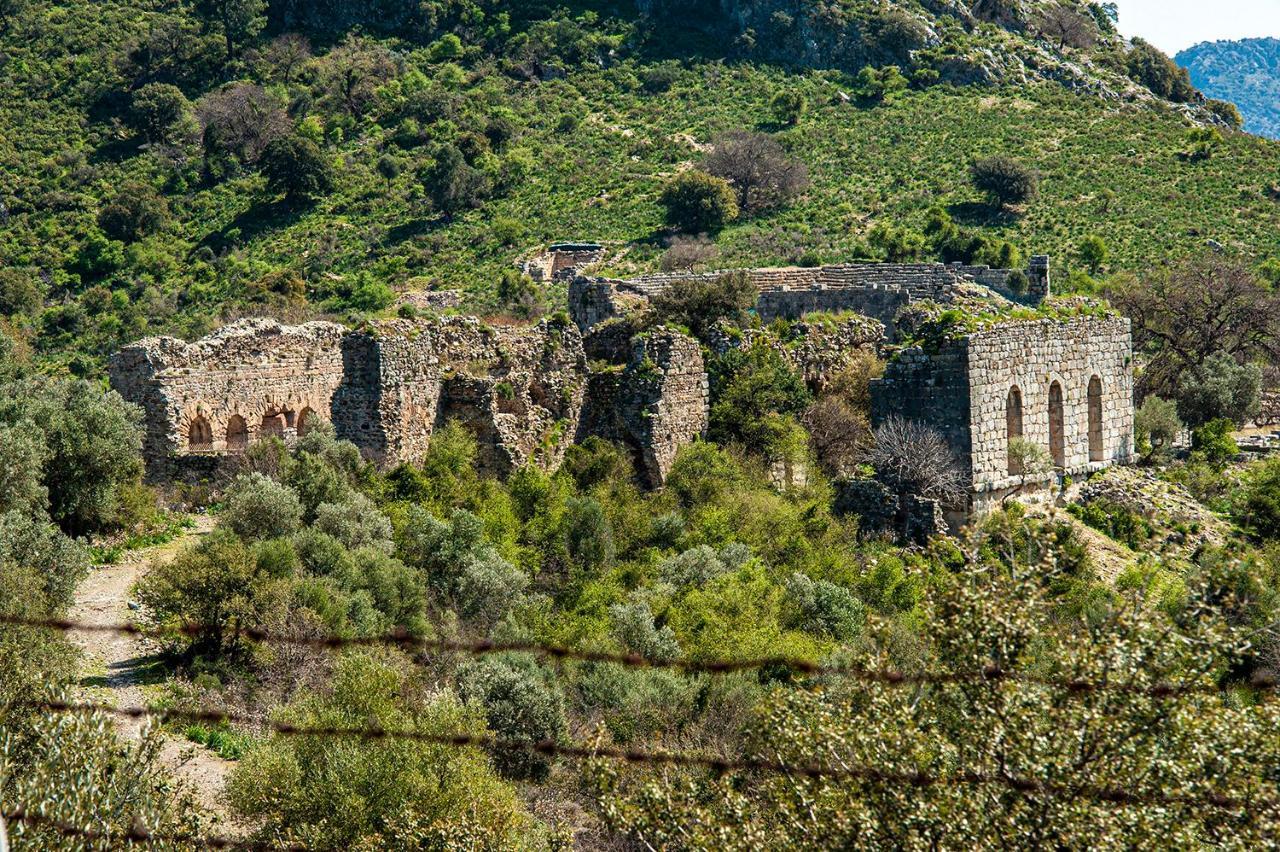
{"x": 415, "y": 228}
{"x": 982, "y": 214}
{"x": 251, "y": 224}
{"x": 115, "y": 151}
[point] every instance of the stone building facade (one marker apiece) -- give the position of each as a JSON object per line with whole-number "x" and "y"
{"x": 1063, "y": 385}
{"x": 528, "y": 392}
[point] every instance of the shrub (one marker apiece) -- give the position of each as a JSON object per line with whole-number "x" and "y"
{"x": 1258, "y": 510}
{"x": 158, "y": 111}
{"x": 298, "y": 168}
{"x": 755, "y": 398}
{"x": 914, "y": 458}
{"x": 260, "y": 508}
{"x": 1220, "y": 387}
{"x": 701, "y": 472}
{"x": 1093, "y": 253}
{"x": 1147, "y": 65}
{"x": 1213, "y": 441}
{"x": 20, "y": 292}
{"x": 1156, "y": 426}
{"x": 1027, "y": 458}
{"x": 880, "y": 85}
{"x": 351, "y": 796}
{"x": 896, "y": 244}
{"x": 1004, "y": 180}
{"x": 595, "y": 462}
{"x": 697, "y": 202}
{"x": 824, "y": 608}
{"x": 356, "y": 522}
{"x": 208, "y": 584}
{"x": 1226, "y": 111}
{"x": 688, "y": 253}
{"x": 520, "y": 295}
{"x": 522, "y": 703}
{"x": 461, "y": 565}
{"x": 634, "y": 628}
{"x": 588, "y": 534}
{"x": 451, "y": 182}
{"x": 136, "y": 211}
{"x": 788, "y": 106}
{"x": 699, "y": 305}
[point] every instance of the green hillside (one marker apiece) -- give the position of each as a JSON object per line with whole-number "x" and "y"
{"x": 1245, "y": 72}
{"x": 571, "y": 122}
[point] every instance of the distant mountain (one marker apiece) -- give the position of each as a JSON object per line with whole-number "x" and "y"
{"x": 1247, "y": 73}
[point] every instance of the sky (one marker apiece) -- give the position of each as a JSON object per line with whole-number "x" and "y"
{"x": 1173, "y": 25}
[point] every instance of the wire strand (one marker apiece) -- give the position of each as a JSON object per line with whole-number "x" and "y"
{"x": 854, "y": 671}
{"x": 1031, "y": 786}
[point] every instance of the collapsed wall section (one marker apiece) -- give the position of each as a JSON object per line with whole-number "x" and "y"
{"x": 931, "y": 388}
{"x": 250, "y": 379}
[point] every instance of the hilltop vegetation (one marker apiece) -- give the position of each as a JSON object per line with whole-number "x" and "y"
{"x": 1245, "y": 72}
{"x": 141, "y": 191}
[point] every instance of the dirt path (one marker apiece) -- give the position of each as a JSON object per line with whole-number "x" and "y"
{"x": 122, "y": 671}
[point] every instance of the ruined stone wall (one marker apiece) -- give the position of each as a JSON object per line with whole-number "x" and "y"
{"x": 929, "y": 388}
{"x": 878, "y": 290}
{"x": 562, "y": 261}
{"x": 1033, "y": 357}
{"x": 655, "y": 404}
{"x": 816, "y": 350}
{"x": 251, "y": 378}
{"x": 964, "y": 390}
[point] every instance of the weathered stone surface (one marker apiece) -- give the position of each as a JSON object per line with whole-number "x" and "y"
{"x": 655, "y": 404}
{"x": 881, "y": 512}
{"x": 1064, "y": 385}
{"x": 816, "y": 350}
{"x": 877, "y": 290}
{"x": 562, "y": 261}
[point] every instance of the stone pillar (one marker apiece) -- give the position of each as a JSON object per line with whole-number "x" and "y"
{"x": 1038, "y": 278}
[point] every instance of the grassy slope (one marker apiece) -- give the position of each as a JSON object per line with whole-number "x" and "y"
{"x": 600, "y": 181}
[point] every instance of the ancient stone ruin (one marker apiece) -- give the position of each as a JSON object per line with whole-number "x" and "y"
{"x": 528, "y": 392}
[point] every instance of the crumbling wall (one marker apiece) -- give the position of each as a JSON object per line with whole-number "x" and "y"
{"x": 215, "y": 395}
{"x": 818, "y": 351}
{"x": 878, "y": 290}
{"x": 929, "y": 388}
{"x": 562, "y": 261}
{"x": 655, "y": 404}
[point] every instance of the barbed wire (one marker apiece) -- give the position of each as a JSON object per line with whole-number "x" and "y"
{"x": 857, "y": 671}
{"x": 719, "y": 765}
{"x": 139, "y": 833}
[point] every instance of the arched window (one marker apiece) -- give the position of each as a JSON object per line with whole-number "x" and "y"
{"x": 237, "y": 432}
{"x": 199, "y": 434}
{"x": 1095, "y": 420}
{"x": 307, "y": 421}
{"x": 1057, "y": 433}
{"x": 272, "y": 424}
{"x": 1013, "y": 427}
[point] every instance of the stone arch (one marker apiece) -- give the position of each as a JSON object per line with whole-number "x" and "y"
{"x": 273, "y": 424}
{"x": 1096, "y": 453}
{"x": 307, "y": 420}
{"x": 237, "y": 433}
{"x": 1013, "y": 426}
{"x": 1057, "y": 426}
{"x": 199, "y": 434}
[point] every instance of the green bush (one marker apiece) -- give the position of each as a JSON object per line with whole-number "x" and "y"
{"x": 755, "y": 398}
{"x": 1156, "y": 426}
{"x": 522, "y": 703}
{"x": 159, "y": 111}
{"x": 1214, "y": 443}
{"x": 1004, "y": 180}
{"x": 788, "y": 106}
{"x": 260, "y": 508}
{"x": 296, "y": 167}
{"x": 1258, "y": 507}
{"x": 335, "y": 795}
{"x": 698, "y": 305}
{"x": 1219, "y": 387}
{"x": 136, "y": 211}
{"x": 697, "y": 202}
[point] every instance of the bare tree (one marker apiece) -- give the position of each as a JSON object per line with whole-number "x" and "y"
{"x": 241, "y": 119}
{"x": 914, "y": 458}
{"x": 758, "y": 168}
{"x": 689, "y": 253}
{"x": 287, "y": 52}
{"x": 1068, "y": 27}
{"x": 1211, "y": 304}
